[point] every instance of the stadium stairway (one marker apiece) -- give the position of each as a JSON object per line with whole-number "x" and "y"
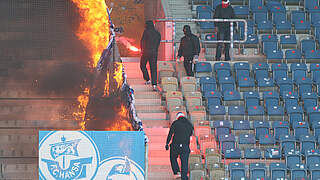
{"x": 155, "y": 122}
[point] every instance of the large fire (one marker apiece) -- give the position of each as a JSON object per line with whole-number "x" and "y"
{"x": 94, "y": 32}
{"x": 94, "y": 27}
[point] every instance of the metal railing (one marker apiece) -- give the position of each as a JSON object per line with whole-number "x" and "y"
{"x": 232, "y": 41}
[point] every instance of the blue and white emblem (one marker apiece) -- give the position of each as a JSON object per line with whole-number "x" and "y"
{"x": 66, "y": 155}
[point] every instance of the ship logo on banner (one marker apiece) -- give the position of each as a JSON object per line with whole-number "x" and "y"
{"x": 63, "y": 160}
{"x": 91, "y": 155}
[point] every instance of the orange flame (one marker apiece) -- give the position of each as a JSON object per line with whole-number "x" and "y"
{"x": 121, "y": 124}
{"x": 94, "y": 27}
{"x": 83, "y": 100}
{"x": 118, "y": 74}
{"x": 106, "y": 85}
{"x": 128, "y": 43}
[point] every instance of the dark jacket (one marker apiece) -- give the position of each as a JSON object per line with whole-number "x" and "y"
{"x": 189, "y": 46}
{"x": 182, "y": 129}
{"x": 150, "y": 40}
{"x": 224, "y": 13}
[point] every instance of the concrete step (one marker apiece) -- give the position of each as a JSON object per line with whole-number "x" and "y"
{"x": 159, "y": 146}
{"x": 155, "y": 123}
{"x": 141, "y": 87}
{"x": 157, "y": 138}
{"x": 156, "y": 131}
{"x": 150, "y": 109}
{"x": 159, "y": 160}
{"x": 152, "y": 116}
{"x": 159, "y": 153}
{"x": 147, "y": 95}
{"x": 160, "y": 172}
{"x": 136, "y": 81}
{"x": 150, "y": 102}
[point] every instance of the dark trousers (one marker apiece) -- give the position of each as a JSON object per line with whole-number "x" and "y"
{"x": 223, "y": 34}
{"x": 183, "y": 151}
{"x": 152, "y": 58}
{"x": 188, "y": 63}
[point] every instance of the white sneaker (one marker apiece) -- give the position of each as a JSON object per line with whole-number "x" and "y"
{"x": 177, "y": 176}
{"x": 147, "y": 82}
{"x": 154, "y": 87}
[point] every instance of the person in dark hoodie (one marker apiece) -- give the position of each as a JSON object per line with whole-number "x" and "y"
{"x": 223, "y": 11}
{"x": 181, "y": 129}
{"x": 149, "y": 44}
{"x": 189, "y": 48}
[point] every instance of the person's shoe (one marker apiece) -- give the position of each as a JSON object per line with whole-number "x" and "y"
{"x": 177, "y": 176}
{"x": 147, "y": 82}
{"x": 154, "y": 88}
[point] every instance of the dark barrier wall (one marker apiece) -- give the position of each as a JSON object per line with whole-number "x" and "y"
{"x": 39, "y": 29}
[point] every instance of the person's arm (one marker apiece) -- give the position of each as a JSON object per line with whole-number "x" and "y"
{"x": 142, "y": 41}
{"x": 180, "y": 48}
{"x": 197, "y": 45}
{"x": 171, "y": 131}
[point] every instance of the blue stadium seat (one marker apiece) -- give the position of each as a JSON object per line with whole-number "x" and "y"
{"x": 252, "y": 39}
{"x": 298, "y": 171}
{"x": 285, "y": 85}
{"x": 288, "y": 41}
{"x": 315, "y": 72}
{"x": 281, "y": 22}
{"x": 208, "y": 84}
{"x": 274, "y": 55}
{"x": 307, "y": 143}
{"x": 252, "y": 153}
{"x": 245, "y": 83}
{"x": 314, "y": 170}
{"x": 307, "y": 45}
{"x": 299, "y": 71}
{"x": 278, "y": 170}
{"x": 269, "y": 46}
{"x": 275, "y": 113}
{"x": 236, "y": 112}
{"x": 312, "y": 157}
{"x": 261, "y": 128}
{"x": 213, "y": 98}
{"x": 251, "y": 98}
{"x": 309, "y": 99}
{"x": 275, "y": 7}
{"x": 222, "y": 128}
{"x": 231, "y": 98}
{"x": 312, "y": 6}
{"x": 241, "y": 66}
{"x": 241, "y": 11}
{"x": 271, "y": 98}
{"x": 311, "y": 55}
{"x": 255, "y": 112}
{"x": 215, "y": 4}
{"x": 233, "y": 153}
{"x": 269, "y": 38}
{"x": 293, "y": 55}
{"x": 298, "y": 19}
{"x": 280, "y": 128}
{"x": 257, "y": 6}
{"x": 290, "y": 99}
{"x": 203, "y": 67}
{"x": 287, "y": 143}
{"x": 205, "y": 25}
{"x": 279, "y": 71}
{"x": 203, "y": 8}
{"x": 316, "y": 128}
{"x": 222, "y": 69}
{"x": 267, "y": 139}
{"x": 211, "y": 37}
{"x": 304, "y": 85}
{"x": 227, "y": 142}
{"x": 247, "y": 141}
{"x": 227, "y": 84}
{"x": 217, "y": 111}
{"x": 295, "y": 114}
{"x": 315, "y": 19}
{"x": 313, "y": 114}
{"x": 300, "y": 128}
{"x": 265, "y": 84}
{"x": 237, "y": 170}
{"x": 272, "y": 153}
{"x": 258, "y": 170}
{"x": 243, "y": 125}
{"x": 260, "y": 70}
{"x": 293, "y": 158}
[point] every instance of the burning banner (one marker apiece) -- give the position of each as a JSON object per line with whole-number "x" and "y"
{"x": 107, "y": 103}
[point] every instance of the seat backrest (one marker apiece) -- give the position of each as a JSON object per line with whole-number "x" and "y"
{"x": 255, "y": 3}
{"x": 278, "y": 17}
{"x": 311, "y": 4}
{"x": 315, "y": 17}
{"x": 292, "y": 160}
{"x": 261, "y": 16}
{"x": 307, "y": 44}
{"x": 269, "y": 46}
{"x": 298, "y": 16}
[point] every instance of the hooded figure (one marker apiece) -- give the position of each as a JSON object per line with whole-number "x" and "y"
{"x": 223, "y": 11}
{"x": 181, "y": 129}
{"x": 149, "y": 44}
{"x": 189, "y": 48}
